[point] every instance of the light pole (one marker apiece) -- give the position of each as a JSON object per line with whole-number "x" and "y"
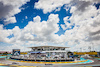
{"x": 93, "y": 46}
{"x": 80, "y": 49}
{"x": 89, "y": 48}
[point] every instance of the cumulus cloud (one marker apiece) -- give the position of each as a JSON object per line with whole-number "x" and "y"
{"x": 44, "y": 30}
{"x": 67, "y": 24}
{"x": 35, "y": 32}
{"x": 4, "y": 34}
{"x": 58, "y": 9}
{"x": 49, "y": 6}
{"x": 10, "y": 20}
{"x": 86, "y": 31}
{"x": 15, "y": 46}
{"x": 85, "y": 16}
{"x": 9, "y": 8}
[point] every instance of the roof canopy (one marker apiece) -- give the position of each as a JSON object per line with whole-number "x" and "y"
{"x": 48, "y": 46}
{"x": 37, "y": 52}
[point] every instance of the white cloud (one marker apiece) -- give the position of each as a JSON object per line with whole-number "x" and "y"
{"x": 43, "y": 30}
{"x": 58, "y": 9}
{"x": 37, "y": 19}
{"x": 82, "y": 11}
{"x": 85, "y": 16}
{"x": 73, "y": 8}
{"x": 26, "y": 17}
{"x": 67, "y": 24}
{"x": 15, "y": 46}
{"x": 86, "y": 30}
{"x": 36, "y": 32}
{"x": 9, "y": 8}
{"x": 67, "y": 6}
{"x": 4, "y": 34}
{"x": 10, "y": 20}
{"x": 50, "y": 5}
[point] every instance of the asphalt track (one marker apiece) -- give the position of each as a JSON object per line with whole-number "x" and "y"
{"x": 96, "y": 63}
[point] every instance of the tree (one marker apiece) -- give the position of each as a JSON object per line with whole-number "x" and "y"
{"x": 5, "y": 53}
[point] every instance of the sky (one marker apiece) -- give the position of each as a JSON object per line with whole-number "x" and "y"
{"x": 67, "y": 23}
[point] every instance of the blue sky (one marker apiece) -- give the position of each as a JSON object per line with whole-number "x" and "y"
{"x": 42, "y": 22}
{"x": 31, "y": 12}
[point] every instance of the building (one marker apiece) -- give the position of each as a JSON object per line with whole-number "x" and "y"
{"x": 83, "y": 53}
{"x": 45, "y": 54}
{"x": 16, "y": 52}
{"x": 49, "y": 51}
